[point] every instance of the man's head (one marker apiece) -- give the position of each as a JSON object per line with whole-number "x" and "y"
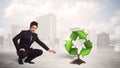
{"x": 33, "y": 26}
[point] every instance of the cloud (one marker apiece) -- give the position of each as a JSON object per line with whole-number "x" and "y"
{"x": 115, "y": 25}
{"x": 80, "y": 14}
{"x": 68, "y": 14}
{"x": 81, "y": 10}
{"x": 112, "y": 26}
{"x": 29, "y": 9}
{"x": 26, "y": 10}
{"x": 117, "y": 32}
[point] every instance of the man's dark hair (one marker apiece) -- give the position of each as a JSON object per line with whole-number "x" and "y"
{"x": 33, "y": 23}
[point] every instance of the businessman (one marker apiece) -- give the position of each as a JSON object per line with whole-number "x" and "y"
{"x": 23, "y": 42}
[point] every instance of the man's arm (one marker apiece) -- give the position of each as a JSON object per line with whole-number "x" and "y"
{"x": 15, "y": 40}
{"x": 41, "y": 43}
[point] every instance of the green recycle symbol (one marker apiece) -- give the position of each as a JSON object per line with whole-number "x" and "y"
{"x": 73, "y": 37}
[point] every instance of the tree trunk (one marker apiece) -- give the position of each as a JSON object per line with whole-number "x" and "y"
{"x": 77, "y": 61}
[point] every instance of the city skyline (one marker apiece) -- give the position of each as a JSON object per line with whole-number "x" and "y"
{"x": 100, "y": 41}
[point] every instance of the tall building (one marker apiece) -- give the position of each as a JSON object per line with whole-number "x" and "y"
{"x": 9, "y": 41}
{"x": 116, "y": 44}
{"x": 64, "y": 35}
{"x": 92, "y": 36}
{"x": 103, "y": 41}
{"x": 117, "y": 47}
{"x": 15, "y": 29}
{"x": 47, "y": 28}
{"x": 1, "y": 42}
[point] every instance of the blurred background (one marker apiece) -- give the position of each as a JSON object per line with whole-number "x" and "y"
{"x": 100, "y": 19}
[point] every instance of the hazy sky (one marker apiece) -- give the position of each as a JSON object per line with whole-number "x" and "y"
{"x": 98, "y": 15}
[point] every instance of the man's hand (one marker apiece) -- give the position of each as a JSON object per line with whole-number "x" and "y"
{"x": 22, "y": 49}
{"x": 51, "y": 51}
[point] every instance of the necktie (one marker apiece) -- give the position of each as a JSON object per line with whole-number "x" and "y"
{"x": 31, "y": 38}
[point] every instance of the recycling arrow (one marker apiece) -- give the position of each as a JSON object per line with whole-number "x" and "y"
{"x": 73, "y": 37}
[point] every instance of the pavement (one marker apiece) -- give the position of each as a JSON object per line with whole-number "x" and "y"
{"x": 99, "y": 59}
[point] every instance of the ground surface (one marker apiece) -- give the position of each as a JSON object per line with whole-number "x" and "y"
{"x": 100, "y": 59}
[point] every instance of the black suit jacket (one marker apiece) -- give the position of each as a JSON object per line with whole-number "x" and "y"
{"x": 24, "y": 40}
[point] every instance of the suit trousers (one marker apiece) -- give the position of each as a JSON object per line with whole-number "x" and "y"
{"x": 30, "y": 54}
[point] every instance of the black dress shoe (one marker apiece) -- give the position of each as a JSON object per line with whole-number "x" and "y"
{"x": 20, "y": 61}
{"x": 29, "y": 62}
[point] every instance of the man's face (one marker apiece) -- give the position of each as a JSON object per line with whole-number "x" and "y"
{"x": 33, "y": 28}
